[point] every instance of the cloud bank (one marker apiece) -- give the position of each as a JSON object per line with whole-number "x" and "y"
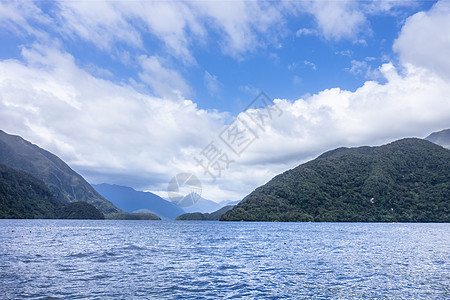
{"x": 112, "y": 131}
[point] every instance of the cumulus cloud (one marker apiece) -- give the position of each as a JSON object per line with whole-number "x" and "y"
{"x": 425, "y": 41}
{"x": 111, "y": 132}
{"x": 412, "y": 103}
{"x": 97, "y": 126}
{"x": 362, "y": 68}
{"x": 345, "y": 19}
{"x": 337, "y": 19}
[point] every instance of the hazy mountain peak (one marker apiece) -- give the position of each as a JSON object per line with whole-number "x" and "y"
{"x": 441, "y": 138}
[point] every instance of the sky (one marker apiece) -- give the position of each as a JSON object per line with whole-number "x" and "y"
{"x": 234, "y": 92}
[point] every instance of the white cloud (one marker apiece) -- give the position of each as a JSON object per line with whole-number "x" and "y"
{"x": 81, "y": 19}
{"x": 343, "y": 19}
{"x": 362, "y": 68}
{"x": 163, "y": 81}
{"x": 113, "y": 133}
{"x": 310, "y": 64}
{"x": 337, "y": 19}
{"x": 243, "y": 25}
{"x": 411, "y": 104}
{"x": 425, "y": 40}
{"x": 347, "y": 53}
{"x": 100, "y": 128}
{"x": 177, "y": 24}
{"x": 305, "y": 31}
{"x": 17, "y": 16}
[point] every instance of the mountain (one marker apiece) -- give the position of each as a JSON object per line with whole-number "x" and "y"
{"x": 130, "y": 200}
{"x": 214, "y": 216}
{"x": 201, "y": 205}
{"x": 404, "y": 181}
{"x": 441, "y": 138}
{"x": 23, "y": 196}
{"x": 80, "y": 210}
{"x": 64, "y": 183}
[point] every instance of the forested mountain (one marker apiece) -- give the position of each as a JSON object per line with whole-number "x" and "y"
{"x": 197, "y": 216}
{"x": 404, "y": 181}
{"x": 23, "y": 196}
{"x": 64, "y": 183}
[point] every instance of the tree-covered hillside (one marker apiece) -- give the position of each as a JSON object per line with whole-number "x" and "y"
{"x": 65, "y": 184}
{"x": 23, "y": 196}
{"x": 404, "y": 181}
{"x": 197, "y": 216}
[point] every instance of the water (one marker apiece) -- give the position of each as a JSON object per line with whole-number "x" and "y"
{"x": 209, "y": 260}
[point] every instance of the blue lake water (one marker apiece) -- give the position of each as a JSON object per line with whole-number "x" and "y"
{"x": 210, "y": 260}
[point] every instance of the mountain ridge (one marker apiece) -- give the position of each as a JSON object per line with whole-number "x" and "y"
{"x": 365, "y": 184}
{"x": 64, "y": 183}
{"x": 132, "y": 201}
{"x": 23, "y": 196}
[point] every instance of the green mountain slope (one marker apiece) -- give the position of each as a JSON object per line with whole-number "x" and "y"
{"x": 441, "y": 138}
{"x": 64, "y": 183}
{"x": 23, "y": 196}
{"x": 197, "y": 216}
{"x": 404, "y": 181}
{"x": 80, "y": 210}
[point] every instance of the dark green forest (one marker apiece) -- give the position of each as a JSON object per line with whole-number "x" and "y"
{"x": 404, "y": 181}
{"x": 23, "y": 196}
{"x": 197, "y": 216}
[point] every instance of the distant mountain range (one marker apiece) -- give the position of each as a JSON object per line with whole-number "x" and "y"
{"x": 441, "y": 138}
{"x": 130, "y": 200}
{"x": 201, "y": 205}
{"x": 65, "y": 184}
{"x": 404, "y": 181}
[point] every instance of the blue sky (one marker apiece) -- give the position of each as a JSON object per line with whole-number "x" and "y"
{"x": 130, "y": 92}
{"x": 294, "y": 60}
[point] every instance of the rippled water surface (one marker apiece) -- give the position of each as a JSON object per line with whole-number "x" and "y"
{"x": 209, "y": 260}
